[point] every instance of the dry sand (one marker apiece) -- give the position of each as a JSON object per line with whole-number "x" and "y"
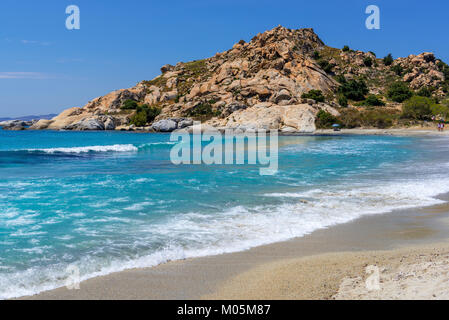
{"x": 413, "y": 131}
{"x": 328, "y": 264}
{"x": 412, "y": 273}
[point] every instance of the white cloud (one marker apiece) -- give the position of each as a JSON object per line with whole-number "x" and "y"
{"x": 23, "y": 75}
{"x": 41, "y": 43}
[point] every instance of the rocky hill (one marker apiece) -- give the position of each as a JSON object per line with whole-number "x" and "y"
{"x": 282, "y": 79}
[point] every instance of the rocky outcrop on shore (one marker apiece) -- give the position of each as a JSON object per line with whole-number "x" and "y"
{"x": 16, "y": 125}
{"x": 255, "y": 85}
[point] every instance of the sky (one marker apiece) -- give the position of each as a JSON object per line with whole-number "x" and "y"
{"x": 46, "y": 68}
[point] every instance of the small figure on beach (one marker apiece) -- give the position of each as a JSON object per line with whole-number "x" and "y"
{"x": 441, "y": 126}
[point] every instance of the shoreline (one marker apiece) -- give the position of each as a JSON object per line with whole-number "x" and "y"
{"x": 414, "y": 131}
{"x": 283, "y": 270}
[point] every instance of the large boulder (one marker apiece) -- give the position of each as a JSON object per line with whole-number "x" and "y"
{"x": 90, "y": 124}
{"x": 165, "y": 125}
{"x": 300, "y": 117}
{"x": 41, "y": 124}
{"x": 184, "y": 123}
{"x": 109, "y": 124}
{"x": 166, "y": 68}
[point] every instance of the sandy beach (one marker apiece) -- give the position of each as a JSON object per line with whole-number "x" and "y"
{"x": 409, "y": 248}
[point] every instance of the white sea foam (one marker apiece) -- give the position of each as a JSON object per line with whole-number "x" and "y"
{"x": 239, "y": 228}
{"x": 77, "y": 150}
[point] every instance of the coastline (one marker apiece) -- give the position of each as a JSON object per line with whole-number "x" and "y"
{"x": 413, "y": 131}
{"x": 286, "y": 270}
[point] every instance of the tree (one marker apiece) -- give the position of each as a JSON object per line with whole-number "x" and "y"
{"x": 417, "y": 108}
{"x": 424, "y": 92}
{"x": 399, "y": 92}
{"x": 144, "y": 114}
{"x": 373, "y": 101}
{"x": 326, "y": 66}
{"x": 345, "y": 49}
{"x": 316, "y": 95}
{"x": 325, "y": 119}
{"x": 388, "y": 60}
{"x": 129, "y": 105}
{"x": 139, "y": 119}
{"x": 368, "y": 62}
{"x": 397, "y": 68}
{"x": 354, "y": 90}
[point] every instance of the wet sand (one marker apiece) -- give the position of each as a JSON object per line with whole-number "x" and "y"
{"x": 311, "y": 267}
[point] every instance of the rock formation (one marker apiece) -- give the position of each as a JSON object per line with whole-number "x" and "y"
{"x": 254, "y": 85}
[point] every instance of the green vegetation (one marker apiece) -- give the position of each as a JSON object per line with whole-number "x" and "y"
{"x": 399, "y": 92}
{"x": 378, "y": 118}
{"x": 340, "y": 78}
{"x": 441, "y": 110}
{"x": 342, "y": 100}
{"x": 202, "y": 112}
{"x": 368, "y": 62}
{"x": 372, "y": 101}
{"x": 325, "y": 120}
{"x": 388, "y": 60}
{"x": 129, "y": 105}
{"x": 326, "y": 66}
{"x": 425, "y": 92}
{"x": 158, "y": 82}
{"x": 316, "y": 55}
{"x": 417, "y": 108}
{"x": 398, "y": 69}
{"x": 316, "y": 95}
{"x": 144, "y": 114}
{"x": 444, "y": 68}
{"x": 192, "y": 71}
{"x": 353, "y": 89}
{"x": 346, "y": 49}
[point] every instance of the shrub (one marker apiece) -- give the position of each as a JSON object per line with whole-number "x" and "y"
{"x": 441, "y": 110}
{"x": 398, "y": 69}
{"x": 342, "y": 100}
{"x": 354, "y": 90}
{"x": 373, "y": 101}
{"x": 417, "y": 108}
{"x": 316, "y": 55}
{"x": 388, "y": 60}
{"x": 326, "y": 66}
{"x": 424, "y": 92}
{"x": 129, "y": 105}
{"x": 139, "y": 119}
{"x": 325, "y": 120}
{"x": 316, "y": 95}
{"x": 399, "y": 92}
{"x": 340, "y": 78}
{"x": 444, "y": 68}
{"x": 368, "y": 62}
{"x": 152, "y": 112}
{"x": 144, "y": 114}
{"x": 345, "y": 49}
{"x": 202, "y": 112}
{"x": 379, "y": 118}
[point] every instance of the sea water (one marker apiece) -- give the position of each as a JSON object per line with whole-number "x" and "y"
{"x": 109, "y": 201}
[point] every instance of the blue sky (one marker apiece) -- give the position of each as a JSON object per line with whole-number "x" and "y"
{"x": 45, "y": 68}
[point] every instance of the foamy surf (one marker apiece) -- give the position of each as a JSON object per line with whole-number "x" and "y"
{"x": 240, "y": 228}
{"x": 112, "y": 213}
{"x": 77, "y": 150}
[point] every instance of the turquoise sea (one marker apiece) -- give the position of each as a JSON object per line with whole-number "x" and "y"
{"x": 109, "y": 201}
